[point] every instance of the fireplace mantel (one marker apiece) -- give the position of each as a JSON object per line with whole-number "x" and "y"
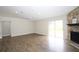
{"x": 75, "y": 24}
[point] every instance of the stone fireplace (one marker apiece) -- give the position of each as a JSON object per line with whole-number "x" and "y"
{"x": 73, "y": 28}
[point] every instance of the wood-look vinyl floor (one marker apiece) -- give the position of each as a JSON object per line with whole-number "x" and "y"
{"x": 31, "y": 43}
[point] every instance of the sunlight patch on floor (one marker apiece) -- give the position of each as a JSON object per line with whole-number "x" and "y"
{"x": 56, "y": 43}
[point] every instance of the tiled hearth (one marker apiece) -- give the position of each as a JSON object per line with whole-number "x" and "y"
{"x": 74, "y": 44}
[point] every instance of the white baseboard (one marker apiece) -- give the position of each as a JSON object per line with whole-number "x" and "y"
{"x": 7, "y": 35}
{"x": 14, "y": 35}
{"x": 42, "y": 33}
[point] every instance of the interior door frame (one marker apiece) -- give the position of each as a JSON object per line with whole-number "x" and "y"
{"x": 2, "y": 28}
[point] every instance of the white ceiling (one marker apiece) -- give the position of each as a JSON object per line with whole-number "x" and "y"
{"x": 35, "y": 12}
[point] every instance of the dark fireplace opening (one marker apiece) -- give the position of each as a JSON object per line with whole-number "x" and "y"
{"x": 75, "y": 37}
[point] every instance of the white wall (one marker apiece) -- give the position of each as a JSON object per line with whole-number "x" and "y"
{"x": 0, "y": 31}
{"x": 65, "y": 27}
{"x": 19, "y": 26}
{"x": 41, "y": 27}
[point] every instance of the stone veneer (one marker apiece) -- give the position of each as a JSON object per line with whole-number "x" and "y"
{"x": 73, "y": 13}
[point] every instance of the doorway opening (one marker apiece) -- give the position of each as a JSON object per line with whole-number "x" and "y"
{"x": 6, "y": 29}
{"x": 55, "y": 35}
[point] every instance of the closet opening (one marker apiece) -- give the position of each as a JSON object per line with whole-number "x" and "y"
{"x": 6, "y": 29}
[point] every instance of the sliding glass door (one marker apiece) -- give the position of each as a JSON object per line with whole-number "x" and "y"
{"x": 56, "y": 34}
{"x": 59, "y": 29}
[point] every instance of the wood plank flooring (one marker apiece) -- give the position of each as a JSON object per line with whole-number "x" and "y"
{"x": 31, "y": 43}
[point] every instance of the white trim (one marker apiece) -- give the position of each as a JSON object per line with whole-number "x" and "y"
{"x": 14, "y": 35}
{"x": 42, "y": 33}
{"x": 7, "y": 35}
